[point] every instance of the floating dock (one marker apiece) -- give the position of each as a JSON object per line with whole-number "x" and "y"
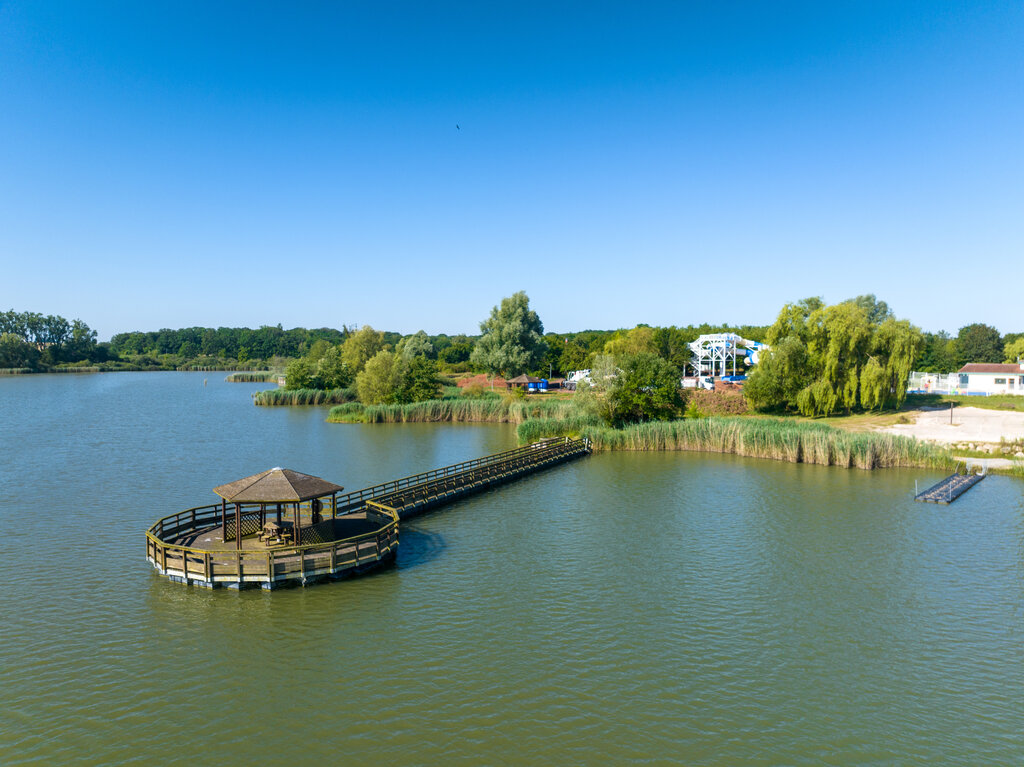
{"x": 243, "y": 547}
{"x": 949, "y": 489}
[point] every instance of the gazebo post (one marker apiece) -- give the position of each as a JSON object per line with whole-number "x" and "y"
{"x": 334, "y": 505}
{"x": 298, "y": 529}
{"x": 238, "y": 526}
{"x": 224, "y": 517}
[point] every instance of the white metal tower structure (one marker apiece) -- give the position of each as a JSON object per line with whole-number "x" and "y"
{"x": 713, "y": 353}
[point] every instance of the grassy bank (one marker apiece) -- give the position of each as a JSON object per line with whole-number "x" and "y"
{"x": 755, "y": 437}
{"x": 994, "y": 402}
{"x": 276, "y": 397}
{"x": 456, "y": 409}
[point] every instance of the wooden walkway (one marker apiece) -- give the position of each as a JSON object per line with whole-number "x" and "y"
{"x": 949, "y": 489}
{"x": 446, "y": 485}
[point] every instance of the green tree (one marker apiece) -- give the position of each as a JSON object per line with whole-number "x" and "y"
{"x": 382, "y": 379}
{"x": 420, "y": 381}
{"x": 938, "y": 353}
{"x": 299, "y": 374}
{"x": 1014, "y": 350}
{"x": 647, "y": 389}
{"x": 416, "y": 345}
{"x": 783, "y": 372}
{"x": 978, "y": 343}
{"x": 826, "y": 358}
{"x": 639, "y": 340}
{"x": 331, "y": 371}
{"x": 877, "y": 311}
{"x": 598, "y": 396}
{"x": 16, "y": 352}
{"x": 361, "y": 346}
{"x": 512, "y": 340}
{"x": 573, "y": 357}
{"x": 456, "y": 352}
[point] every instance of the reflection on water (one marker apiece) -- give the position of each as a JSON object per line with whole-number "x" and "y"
{"x": 664, "y": 607}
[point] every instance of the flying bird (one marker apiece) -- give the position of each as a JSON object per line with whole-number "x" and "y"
{"x": 457, "y": 127}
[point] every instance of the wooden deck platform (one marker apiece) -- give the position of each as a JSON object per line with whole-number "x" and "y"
{"x": 949, "y": 489}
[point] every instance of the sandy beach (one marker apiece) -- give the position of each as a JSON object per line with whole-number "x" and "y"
{"x": 969, "y": 424}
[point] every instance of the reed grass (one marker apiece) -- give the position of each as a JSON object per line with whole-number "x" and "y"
{"x": 254, "y": 376}
{"x": 275, "y": 397}
{"x": 15, "y": 371}
{"x": 458, "y": 410}
{"x": 756, "y": 437}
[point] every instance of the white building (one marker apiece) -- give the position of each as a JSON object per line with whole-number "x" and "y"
{"x": 978, "y": 378}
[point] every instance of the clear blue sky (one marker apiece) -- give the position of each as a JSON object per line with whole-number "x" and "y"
{"x": 169, "y": 164}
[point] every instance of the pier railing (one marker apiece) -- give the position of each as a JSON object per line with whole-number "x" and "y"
{"x": 538, "y": 450}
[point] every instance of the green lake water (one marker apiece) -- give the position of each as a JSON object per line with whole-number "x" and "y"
{"x": 652, "y": 608}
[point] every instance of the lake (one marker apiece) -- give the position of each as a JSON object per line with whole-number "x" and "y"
{"x": 663, "y": 608}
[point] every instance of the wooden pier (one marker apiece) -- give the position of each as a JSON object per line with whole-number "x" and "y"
{"x": 949, "y": 489}
{"x": 200, "y": 546}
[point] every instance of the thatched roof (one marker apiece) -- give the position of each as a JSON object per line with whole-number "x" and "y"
{"x": 523, "y": 379}
{"x": 276, "y": 486}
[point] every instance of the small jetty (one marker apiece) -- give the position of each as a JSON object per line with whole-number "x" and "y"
{"x": 282, "y": 527}
{"x": 951, "y": 488}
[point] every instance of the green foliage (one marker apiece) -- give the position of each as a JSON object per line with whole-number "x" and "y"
{"x": 827, "y": 358}
{"x": 978, "y": 343}
{"x": 639, "y": 340}
{"x": 350, "y": 412}
{"x": 938, "y": 354}
{"x": 877, "y": 311}
{"x": 647, "y": 389}
{"x": 782, "y": 374}
{"x": 573, "y": 356}
{"x": 382, "y": 379}
{"x": 512, "y": 340}
{"x": 36, "y": 341}
{"x": 1014, "y": 350}
{"x": 464, "y": 409}
{"x": 416, "y": 345}
{"x": 360, "y": 347}
{"x": 17, "y": 353}
{"x": 421, "y": 381}
{"x": 275, "y": 397}
{"x": 257, "y": 376}
{"x": 456, "y": 352}
{"x": 322, "y": 368}
{"x": 263, "y": 343}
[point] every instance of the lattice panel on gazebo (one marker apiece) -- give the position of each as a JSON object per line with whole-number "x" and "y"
{"x": 250, "y": 525}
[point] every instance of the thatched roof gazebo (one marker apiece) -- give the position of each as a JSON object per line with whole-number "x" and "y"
{"x": 523, "y": 380}
{"x": 276, "y": 486}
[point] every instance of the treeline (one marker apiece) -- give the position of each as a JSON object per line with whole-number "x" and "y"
{"x": 943, "y": 353}
{"x": 265, "y": 342}
{"x": 32, "y": 341}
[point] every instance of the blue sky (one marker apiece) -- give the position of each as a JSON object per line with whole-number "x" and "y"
{"x": 175, "y": 164}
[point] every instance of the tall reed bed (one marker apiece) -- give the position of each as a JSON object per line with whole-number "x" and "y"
{"x": 461, "y": 409}
{"x": 254, "y": 376}
{"x": 272, "y": 397}
{"x": 775, "y": 438}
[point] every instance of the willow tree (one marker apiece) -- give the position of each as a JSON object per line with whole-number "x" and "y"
{"x": 512, "y": 340}
{"x": 840, "y": 357}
